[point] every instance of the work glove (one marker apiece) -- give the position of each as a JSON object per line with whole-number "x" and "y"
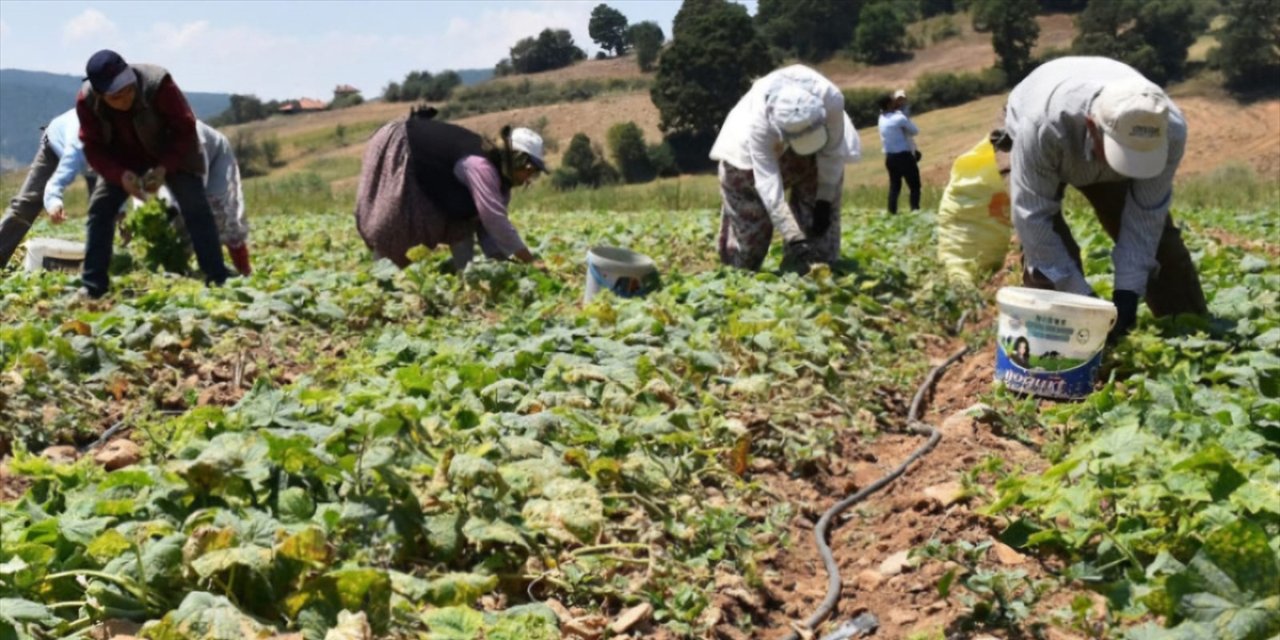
{"x": 797, "y": 256}
{"x": 1126, "y": 314}
{"x": 917, "y": 155}
{"x": 821, "y": 219}
{"x": 153, "y": 179}
{"x": 240, "y": 258}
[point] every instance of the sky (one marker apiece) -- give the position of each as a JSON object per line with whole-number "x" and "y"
{"x": 288, "y": 49}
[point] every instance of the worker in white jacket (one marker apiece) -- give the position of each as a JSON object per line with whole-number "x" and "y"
{"x": 789, "y": 131}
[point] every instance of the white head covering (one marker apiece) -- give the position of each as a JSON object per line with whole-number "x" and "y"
{"x": 528, "y": 141}
{"x": 1134, "y": 118}
{"x": 801, "y": 118}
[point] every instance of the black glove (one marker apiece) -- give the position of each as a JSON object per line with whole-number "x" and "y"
{"x": 1126, "y": 314}
{"x": 821, "y": 218}
{"x": 1001, "y": 140}
{"x": 797, "y": 257}
{"x": 917, "y": 155}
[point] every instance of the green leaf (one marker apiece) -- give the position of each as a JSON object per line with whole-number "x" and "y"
{"x": 204, "y": 616}
{"x": 250, "y": 557}
{"x": 570, "y": 511}
{"x": 944, "y": 584}
{"x": 295, "y": 505}
{"x": 17, "y": 611}
{"x": 454, "y": 623}
{"x": 307, "y": 546}
{"x": 457, "y": 589}
{"x": 479, "y": 532}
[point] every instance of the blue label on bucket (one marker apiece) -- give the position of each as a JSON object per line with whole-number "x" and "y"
{"x": 1071, "y": 384}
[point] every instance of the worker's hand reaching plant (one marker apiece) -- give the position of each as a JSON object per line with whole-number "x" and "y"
{"x": 1126, "y": 314}
{"x": 153, "y": 179}
{"x": 132, "y": 185}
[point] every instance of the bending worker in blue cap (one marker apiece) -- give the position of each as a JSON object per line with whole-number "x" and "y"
{"x": 139, "y": 134}
{"x": 789, "y": 131}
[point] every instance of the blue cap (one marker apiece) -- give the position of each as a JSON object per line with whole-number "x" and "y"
{"x": 108, "y": 72}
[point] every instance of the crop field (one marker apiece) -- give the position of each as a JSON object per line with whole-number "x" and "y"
{"x": 334, "y": 448}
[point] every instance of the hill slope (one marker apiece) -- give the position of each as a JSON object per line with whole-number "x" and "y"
{"x": 30, "y": 99}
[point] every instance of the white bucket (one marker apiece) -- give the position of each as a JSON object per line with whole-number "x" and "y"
{"x": 54, "y": 254}
{"x": 1050, "y": 343}
{"x": 626, "y": 273}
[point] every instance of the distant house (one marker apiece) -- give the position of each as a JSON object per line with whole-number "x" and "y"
{"x": 302, "y": 105}
{"x": 344, "y": 90}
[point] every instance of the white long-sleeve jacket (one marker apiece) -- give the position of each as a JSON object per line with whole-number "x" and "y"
{"x": 748, "y": 141}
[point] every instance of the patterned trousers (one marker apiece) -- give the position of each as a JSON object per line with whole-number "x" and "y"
{"x": 746, "y": 230}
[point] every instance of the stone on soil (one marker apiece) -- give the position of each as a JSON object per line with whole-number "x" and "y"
{"x": 631, "y": 617}
{"x": 584, "y": 628}
{"x": 902, "y": 616}
{"x": 869, "y": 580}
{"x": 945, "y": 494}
{"x": 894, "y": 564}
{"x": 1007, "y": 555}
{"x": 118, "y": 454}
{"x": 60, "y": 454}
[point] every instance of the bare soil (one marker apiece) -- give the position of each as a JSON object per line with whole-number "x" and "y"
{"x": 902, "y": 516}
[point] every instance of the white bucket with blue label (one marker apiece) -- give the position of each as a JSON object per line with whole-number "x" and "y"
{"x": 1050, "y": 343}
{"x": 626, "y": 273}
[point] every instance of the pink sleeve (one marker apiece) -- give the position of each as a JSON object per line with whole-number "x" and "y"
{"x": 486, "y": 189}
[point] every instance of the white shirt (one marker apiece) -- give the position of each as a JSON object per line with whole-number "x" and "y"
{"x": 1051, "y": 146}
{"x": 897, "y": 132}
{"x": 63, "y": 135}
{"x": 748, "y": 141}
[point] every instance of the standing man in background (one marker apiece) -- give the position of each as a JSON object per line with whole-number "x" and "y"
{"x": 58, "y": 161}
{"x": 139, "y": 134}
{"x": 901, "y": 159}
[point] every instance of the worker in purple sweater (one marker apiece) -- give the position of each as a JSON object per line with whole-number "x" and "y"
{"x": 426, "y": 182}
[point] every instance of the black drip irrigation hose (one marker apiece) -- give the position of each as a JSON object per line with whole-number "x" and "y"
{"x": 915, "y": 425}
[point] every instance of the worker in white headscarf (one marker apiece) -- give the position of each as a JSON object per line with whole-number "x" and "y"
{"x": 790, "y": 131}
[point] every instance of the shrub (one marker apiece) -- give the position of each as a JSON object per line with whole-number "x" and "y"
{"x": 347, "y": 100}
{"x": 647, "y": 39}
{"x": 710, "y": 64}
{"x": 423, "y": 85}
{"x": 552, "y": 49}
{"x": 608, "y": 28}
{"x": 248, "y": 154}
{"x": 938, "y": 90}
{"x": 501, "y": 96}
{"x": 811, "y": 30}
{"x": 663, "y": 160}
{"x": 244, "y": 108}
{"x": 881, "y": 35}
{"x": 1249, "y": 44}
{"x": 1013, "y": 35}
{"x": 863, "y": 104}
{"x": 583, "y": 165}
{"x": 1152, "y": 36}
{"x": 625, "y": 142}
{"x": 691, "y": 150}
{"x": 271, "y": 151}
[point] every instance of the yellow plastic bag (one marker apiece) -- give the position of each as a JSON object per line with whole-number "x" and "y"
{"x": 973, "y": 218}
